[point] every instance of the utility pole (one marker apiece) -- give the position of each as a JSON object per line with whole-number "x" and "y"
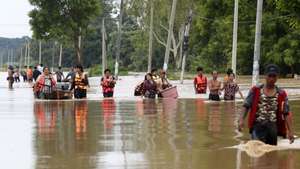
{"x": 235, "y": 35}
{"x": 8, "y": 53}
{"x": 255, "y": 76}
{"x": 53, "y": 55}
{"x": 104, "y": 37}
{"x": 151, "y": 37}
{"x": 21, "y": 58}
{"x": 25, "y": 54}
{"x": 186, "y": 44}
{"x": 119, "y": 40}
{"x": 28, "y": 54}
{"x": 171, "y": 26}
{"x": 60, "y": 55}
{"x": 40, "y": 52}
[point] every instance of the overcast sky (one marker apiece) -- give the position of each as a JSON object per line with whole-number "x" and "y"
{"x": 14, "y": 18}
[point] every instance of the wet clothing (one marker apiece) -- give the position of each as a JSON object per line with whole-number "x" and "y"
{"x": 10, "y": 78}
{"x": 230, "y": 89}
{"x": 79, "y": 93}
{"x": 108, "y": 85}
{"x": 80, "y": 84}
{"x": 108, "y": 94}
{"x": 265, "y": 132}
{"x": 59, "y": 76}
{"x": 139, "y": 89}
{"x": 44, "y": 87}
{"x": 262, "y": 111}
{"x": 36, "y": 73}
{"x": 267, "y": 108}
{"x": 214, "y": 97}
{"x": 200, "y": 83}
{"x": 214, "y": 87}
{"x": 150, "y": 89}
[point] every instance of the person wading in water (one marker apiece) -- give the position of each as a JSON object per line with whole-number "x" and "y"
{"x": 231, "y": 88}
{"x": 108, "y": 83}
{"x": 80, "y": 83}
{"x": 149, "y": 87}
{"x": 44, "y": 85}
{"x": 163, "y": 82}
{"x": 59, "y": 75}
{"x": 36, "y": 73}
{"x": 200, "y": 82}
{"x": 10, "y": 76}
{"x": 270, "y": 114}
{"x": 214, "y": 86}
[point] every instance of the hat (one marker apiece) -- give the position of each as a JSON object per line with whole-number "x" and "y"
{"x": 271, "y": 69}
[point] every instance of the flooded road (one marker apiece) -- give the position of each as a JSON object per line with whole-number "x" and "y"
{"x": 184, "y": 133}
{"x": 127, "y": 133}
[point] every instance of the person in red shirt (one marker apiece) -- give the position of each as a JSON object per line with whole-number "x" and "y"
{"x": 200, "y": 82}
{"x": 108, "y": 83}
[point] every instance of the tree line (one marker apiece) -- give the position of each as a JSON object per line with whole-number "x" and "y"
{"x": 78, "y": 26}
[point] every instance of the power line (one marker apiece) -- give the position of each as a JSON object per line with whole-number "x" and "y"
{"x": 243, "y": 22}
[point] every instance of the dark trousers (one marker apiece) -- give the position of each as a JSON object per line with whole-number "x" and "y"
{"x": 214, "y": 97}
{"x": 80, "y": 93}
{"x": 108, "y": 94}
{"x": 265, "y": 132}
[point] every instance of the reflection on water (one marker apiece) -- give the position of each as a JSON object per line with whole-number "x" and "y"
{"x": 150, "y": 134}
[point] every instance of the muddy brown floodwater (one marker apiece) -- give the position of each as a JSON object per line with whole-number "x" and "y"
{"x": 131, "y": 133}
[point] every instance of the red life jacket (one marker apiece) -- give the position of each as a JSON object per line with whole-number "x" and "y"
{"x": 41, "y": 82}
{"x": 201, "y": 84}
{"x": 281, "y": 124}
{"x": 107, "y": 85}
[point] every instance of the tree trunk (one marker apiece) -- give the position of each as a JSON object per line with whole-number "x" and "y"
{"x": 25, "y": 55}
{"x": 171, "y": 26}
{"x": 104, "y": 62}
{"x": 28, "y": 54}
{"x": 185, "y": 44}
{"x": 40, "y": 52}
{"x": 21, "y": 58}
{"x": 150, "y": 38}
{"x": 77, "y": 45}
{"x": 60, "y": 55}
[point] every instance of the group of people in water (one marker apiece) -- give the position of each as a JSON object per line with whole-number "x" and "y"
{"x": 44, "y": 82}
{"x": 229, "y": 86}
{"x": 153, "y": 84}
{"x": 267, "y": 104}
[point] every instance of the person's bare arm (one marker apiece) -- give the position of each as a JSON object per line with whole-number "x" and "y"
{"x": 289, "y": 125}
{"x": 242, "y": 118}
{"x": 241, "y": 94}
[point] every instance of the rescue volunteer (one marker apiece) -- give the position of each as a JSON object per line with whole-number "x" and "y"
{"x": 200, "y": 82}
{"x": 80, "y": 83}
{"x": 108, "y": 83}
{"x": 270, "y": 115}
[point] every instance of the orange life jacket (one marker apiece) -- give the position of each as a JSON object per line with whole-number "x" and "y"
{"x": 201, "y": 84}
{"x": 80, "y": 82}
